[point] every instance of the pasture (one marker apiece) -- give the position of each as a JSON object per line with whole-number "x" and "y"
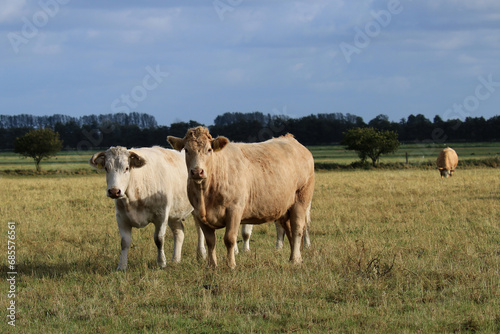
{"x": 76, "y": 162}
{"x": 393, "y": 251}
{"x": 418, "y": 153}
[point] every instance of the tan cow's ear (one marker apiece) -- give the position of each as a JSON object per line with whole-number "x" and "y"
{"x": 136, "y": 161}
{"x": 176, "y": 143}
{"x": 219, "y": 143}
{"x": 98, "y": 160}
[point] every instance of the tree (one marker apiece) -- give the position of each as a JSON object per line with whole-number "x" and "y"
{"x": 380, "y": 122}
{"x": 38, "y": 144}
{"x": 370, "y": 143}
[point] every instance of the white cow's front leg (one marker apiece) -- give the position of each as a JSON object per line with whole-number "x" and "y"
{"x": 177, "y": 228}
{"x": 246, "y": 233}
{"x": 126, "y": 239}
{"x": 159, "y": 238}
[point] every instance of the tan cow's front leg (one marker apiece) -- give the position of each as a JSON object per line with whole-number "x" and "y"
{"x": 230, "y": 237}
{"x": 201, "y": 252}
{"x": 210, "y": 239}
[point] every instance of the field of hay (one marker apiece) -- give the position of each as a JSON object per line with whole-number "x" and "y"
{"x": 393, "y": 251}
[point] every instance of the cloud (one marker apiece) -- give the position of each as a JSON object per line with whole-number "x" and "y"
{"x": 46, "y": 46}
{"x": 11, "y": 10}
{"x": 263, "y": 55}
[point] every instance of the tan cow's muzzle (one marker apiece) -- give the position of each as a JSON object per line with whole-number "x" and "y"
{"x": 197, "y": 175}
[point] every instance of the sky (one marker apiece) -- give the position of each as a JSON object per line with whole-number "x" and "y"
{"x": 196, "y": 59}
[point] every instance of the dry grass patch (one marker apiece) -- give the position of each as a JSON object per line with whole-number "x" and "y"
{"x": 392, "y": 251}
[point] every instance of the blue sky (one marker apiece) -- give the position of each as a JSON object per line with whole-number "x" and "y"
{"x": 196, "y": 59}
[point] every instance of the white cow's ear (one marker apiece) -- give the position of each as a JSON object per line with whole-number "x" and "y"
{"x": 176, "y": 143}
{"x": 98, "y": 160}
{"x": 219, "y": 143}
{"x": 136, "y": 161}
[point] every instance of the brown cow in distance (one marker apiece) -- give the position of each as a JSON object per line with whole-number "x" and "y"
{"x": 229, "y": 183}
{"x": 446, "y": 162}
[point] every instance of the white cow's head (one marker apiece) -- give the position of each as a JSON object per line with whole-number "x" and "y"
{"x": 199, "y": 147}
{"x": 117, "y": 162}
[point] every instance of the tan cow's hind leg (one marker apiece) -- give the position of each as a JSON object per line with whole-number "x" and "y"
{"x": 307, "y": 239}
{"x": 280, "y": 235}
{"x": 283, "y": 228}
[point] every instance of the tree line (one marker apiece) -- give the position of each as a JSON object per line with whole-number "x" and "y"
{"x": 136, "y": 130}
{"x": 143, "y": 121}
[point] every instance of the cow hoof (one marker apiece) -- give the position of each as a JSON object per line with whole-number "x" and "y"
{"x": 296, "y": 261}
{"x": 201, "y": 256}
{"x": 212, "y": 266}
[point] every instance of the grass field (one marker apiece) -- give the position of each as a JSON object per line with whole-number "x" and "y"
{"x": 77, "y": 161}
{"x": 393, "y": 251}
{"x": 65, "y": 160}
{"x": 417, "y": 153}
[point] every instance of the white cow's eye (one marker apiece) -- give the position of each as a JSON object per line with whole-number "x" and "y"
{"x": 126, "y": 169}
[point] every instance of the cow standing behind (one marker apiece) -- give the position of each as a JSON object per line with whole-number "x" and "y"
{"x": 446, "y": 162}
{"x": 149, "y": 186}
{"x": 231, "y": 183}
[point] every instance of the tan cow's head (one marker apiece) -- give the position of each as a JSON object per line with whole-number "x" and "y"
{"x": 445, "y": 173}
{"x": 200, "y": 148}
{"x": 117, "y": 162}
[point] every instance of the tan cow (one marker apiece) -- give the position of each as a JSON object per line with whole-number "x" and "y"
{"x": 230, "y": 183}
{"x": 148, "y": 186}
{"x": 446, "y": 162}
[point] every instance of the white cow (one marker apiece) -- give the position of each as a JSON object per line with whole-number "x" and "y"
{"x": 149, "y": 186}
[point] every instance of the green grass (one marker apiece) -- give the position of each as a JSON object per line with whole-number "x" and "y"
{"x": 418, "y": 154}
{"x": 64, "y": 161}
{"x": 393, "y": 251}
